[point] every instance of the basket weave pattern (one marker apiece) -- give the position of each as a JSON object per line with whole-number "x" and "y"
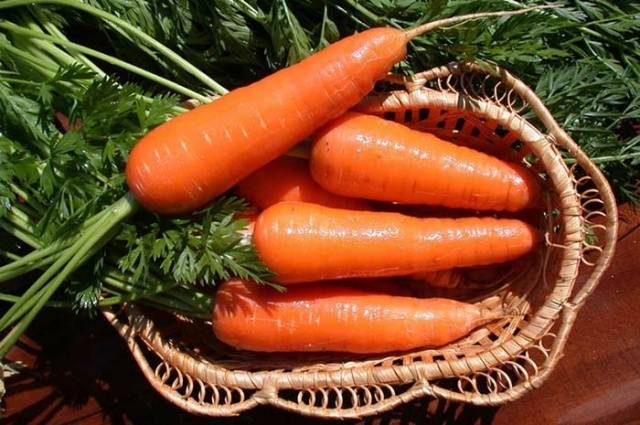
{"x": 487, "y": 110}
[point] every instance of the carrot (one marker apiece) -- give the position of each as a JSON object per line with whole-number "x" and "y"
{"x": 321, "y": 317}
{"x": 366, "y": 156}
{"x": 289, "y": 179}
{"x": 388, "y": 286}
{"x": 186, "y": 162}
{"x": 303, "y": 242}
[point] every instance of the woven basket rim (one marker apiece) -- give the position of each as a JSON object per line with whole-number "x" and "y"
{"x": 561, "y": 305}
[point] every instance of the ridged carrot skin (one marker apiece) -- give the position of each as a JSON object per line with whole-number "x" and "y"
{"x": 288, "y": 179}
{"x": 317, "y": 317}
{"x": 183, "y": 164}
{"x": 365, "y": 156}
{"x": 303, "y": 242}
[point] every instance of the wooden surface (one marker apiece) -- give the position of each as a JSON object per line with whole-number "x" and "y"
{"x": 79, "y": 371}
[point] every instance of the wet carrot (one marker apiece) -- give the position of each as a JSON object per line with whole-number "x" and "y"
{"x": 368, "y": 157}
{"x": 289, "y": 179}
{"x": 184, "y": 163}
{"x": 303, "y": 242}
{"x": 319, "y": 317}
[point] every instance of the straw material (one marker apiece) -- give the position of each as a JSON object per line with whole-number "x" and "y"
{"x": 489, "y": 110}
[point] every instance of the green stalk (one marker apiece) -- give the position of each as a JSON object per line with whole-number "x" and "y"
{"x": 119, "y": 284}
{"x": 170, "y": 54}
{"x": 29, "y": 46}
{"x": 55, "y": 31}
{"x": 192, "y": 298}
{"x": 21, "y": 220}
{"x": 113, "y": 278}
{"x": 165, "y": 302}
{"x": 21, "y": 81}
{"x": 20, "y": 217}
{"x": 18, "y": 233}
{"x": 31, "y": 296}
{"x": 23, "y": 231}
{"x": 176, "y": 310}
{"x": 49, "y": 72}
{"x": 109, "y": 59}
{"x": 94, "y": 240}
{"x": 12, "y": 299}
{"x": 38, "y": 65}
{"x": 161, "y": 293}
{"x": 67, "y": 304}
{"x": 27, "y": 209}
{"x": 350, "y": 15}
{"x": 32, "y": 256}
{"x": 58, "y": 54}
{"x": 30, "y": 200}
{"x": 132, "y": 294}
{"x": 72, "y": 258}
{"x": 7, "y": 275}
{"x": 167, "y": 289}
{"x": 608, "y": 158}
{"x": 172, "y": 299}
{"x": 250, "y": 10}
{"x": 365, "y": 12}
{"x": 46, "y": 67}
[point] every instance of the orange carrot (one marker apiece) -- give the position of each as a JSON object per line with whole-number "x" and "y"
{"x": 366, "y": 156}
{"x": 289, "y": 179}
{"x": 321, "y": 317}
{"x": 304, "y": 242}
{"x": 186, "y": 162}
{"x": 387, "y": 286}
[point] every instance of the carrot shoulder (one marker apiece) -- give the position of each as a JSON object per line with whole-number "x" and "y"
{"x": 332, "y": 318}
{"x": 303, "y": 242}
{"x": 368, "y": 157}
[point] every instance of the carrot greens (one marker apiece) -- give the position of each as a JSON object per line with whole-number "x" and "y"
{"x": 82, "y": 81}
{"x": 67, "y": 129}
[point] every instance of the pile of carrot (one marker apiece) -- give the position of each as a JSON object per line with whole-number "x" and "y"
{"x": 322, "y": 227}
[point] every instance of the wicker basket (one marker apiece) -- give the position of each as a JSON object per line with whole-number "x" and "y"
{"x": 492, "y": 111}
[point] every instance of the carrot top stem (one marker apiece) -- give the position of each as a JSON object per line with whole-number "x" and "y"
{"x": 130, "y": 29}
{"x": 429, "y": 26}
{"x": 107, "y": 58}
{"x": 34, "y": 299}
